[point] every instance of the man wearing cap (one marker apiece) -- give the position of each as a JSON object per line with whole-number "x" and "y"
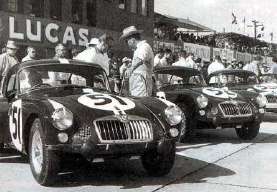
{"x": 254, "y": 65}
{"x": 141, "y": 69}
{"x": 31, "y": 54}
{"x": 96, "y": 52}
{"x": 8, "y": 59}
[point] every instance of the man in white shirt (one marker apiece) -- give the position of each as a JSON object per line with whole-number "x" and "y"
{"x": 96, "y": 52}
{"x": 31, "y": 54}
{"x": 190, "y": 61}
{"x": 216, "y": 65}
{"x": 141, "y": 69}
{"x": 254, "y": 65}
{"x": 181, "y": 59}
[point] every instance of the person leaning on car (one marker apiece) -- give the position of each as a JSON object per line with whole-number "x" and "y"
{"x": 96, "y": 51}
{"x": 141, "y": 69}
{"x": 8, "y": 59}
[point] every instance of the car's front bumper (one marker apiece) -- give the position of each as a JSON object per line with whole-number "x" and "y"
{"x": 218, "y": 121}
{"x": 92, "y": 150}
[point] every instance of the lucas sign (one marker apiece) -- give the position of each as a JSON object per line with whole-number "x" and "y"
{"x": 37, "y": 30}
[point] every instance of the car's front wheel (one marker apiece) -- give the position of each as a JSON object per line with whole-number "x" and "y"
{"x": 159, "y": 163}
{"x": 249, "y": 131}
{"x": 44, "y": 163}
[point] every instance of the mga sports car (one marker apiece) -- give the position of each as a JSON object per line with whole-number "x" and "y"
{"x": 55, "y": 107}
{"x": 206, "y": 107}
{"x": 239, "y": 80}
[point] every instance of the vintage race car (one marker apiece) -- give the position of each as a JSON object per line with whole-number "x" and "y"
{"x": 247, "y": 80}
{"x": 55, "y": 107}
{"x": 207, "y": 107}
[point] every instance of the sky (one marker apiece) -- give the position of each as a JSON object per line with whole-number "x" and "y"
{"x": 217, "y": 14}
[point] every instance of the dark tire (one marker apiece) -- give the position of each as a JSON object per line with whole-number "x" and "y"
{"x": 249, "y": 131}
{"x": 44, "y": 163}
{"x": 159, "y": 163}
{"x": 189, "y": 132}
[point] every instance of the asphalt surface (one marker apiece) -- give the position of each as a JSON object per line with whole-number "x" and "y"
{"x": 215, "y": 161}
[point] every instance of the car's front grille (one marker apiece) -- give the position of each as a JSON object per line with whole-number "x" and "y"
{"x": 235, "y": 109}
{"x": 116, "y": 131}
{"x": 84, "y": 133}
{"x": 271, "y": 99}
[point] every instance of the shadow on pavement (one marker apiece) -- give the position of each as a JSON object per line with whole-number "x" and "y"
{"x": 214, "y": 137}
{"x": 131, "y": 175}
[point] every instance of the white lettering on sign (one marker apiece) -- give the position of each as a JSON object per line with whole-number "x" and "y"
{"x": 48, "y": 29}
{"x": 33, "y": 31}
{"x": 69, "y": 35}
{"x": 83, "y": 33}
{"x": 12, "y": 33}
{"x": 30, "y": 35}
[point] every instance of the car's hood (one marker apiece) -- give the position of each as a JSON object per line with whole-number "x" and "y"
{"x": 218, "y": 93}
{"x": 90, "y": 104}
{"x": 97, "y": 105}
{"x": 266, "y": 87}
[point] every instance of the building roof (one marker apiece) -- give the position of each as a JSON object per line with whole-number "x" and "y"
{"x": 181, "y": 23}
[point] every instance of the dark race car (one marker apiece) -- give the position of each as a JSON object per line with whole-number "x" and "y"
{"x": 50, "y": 108}
{"x": 247, "y": 80}
{"x": 207, "y": 107}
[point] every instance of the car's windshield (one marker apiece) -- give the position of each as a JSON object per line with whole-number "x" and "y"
{"x": 60, "y": 75}
{"x": 186, "y": 79}
{"x": 233, "y": 79}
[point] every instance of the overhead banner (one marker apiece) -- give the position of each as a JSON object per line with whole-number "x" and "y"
{"x": 45, "y": 32}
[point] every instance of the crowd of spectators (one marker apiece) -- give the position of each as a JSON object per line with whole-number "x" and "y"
{"x": 231, "y": 41}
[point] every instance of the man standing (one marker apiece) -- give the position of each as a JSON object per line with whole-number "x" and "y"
{"x": 158, "y": 57}
{"x": 216, "y": 65}
{"x": 167, "y": 59}
{"x": 181, "y": 59}
{"x": 31, "y": 54}
{"x": 96, "y": 52}
{"x": 254, "y": 65}
{"x": 8, "y": 59}
{"x": 273, "y": 68}
{"x": 141, "y": 69}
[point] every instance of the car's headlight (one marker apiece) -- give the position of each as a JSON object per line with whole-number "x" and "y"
{"x": 202, "y": 101}
{"x": 62, "y": 117}
{"x": 261, "y": 100}
{"x": 173, "y": 115}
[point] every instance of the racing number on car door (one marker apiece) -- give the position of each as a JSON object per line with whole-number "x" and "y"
{"x": 15, "y": 120}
